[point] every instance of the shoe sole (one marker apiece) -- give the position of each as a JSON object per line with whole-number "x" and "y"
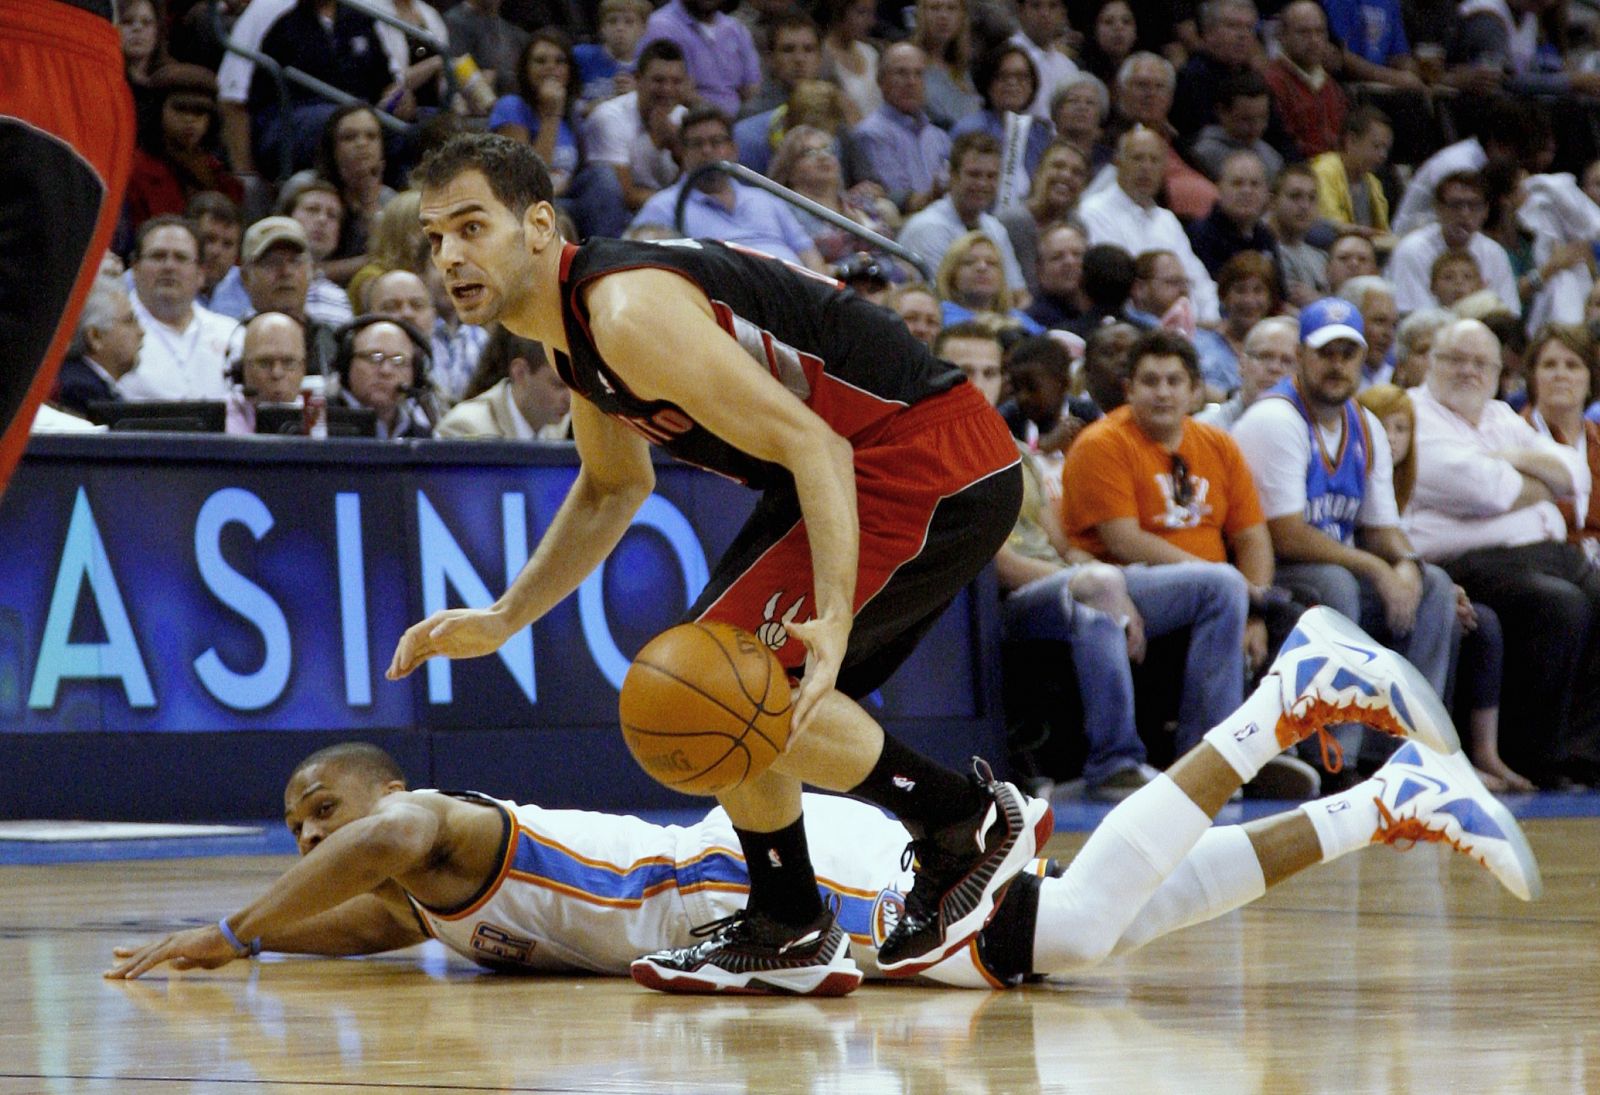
{"x": 836, "y": 983}
{"x": 961, "y": 933}
{"x": 1516, "y": 839}
{"x": 1335, "y": 629}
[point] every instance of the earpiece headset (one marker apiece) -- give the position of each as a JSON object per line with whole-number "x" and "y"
{"x": 346, "y": 336}
{"x": 236, "y": 341}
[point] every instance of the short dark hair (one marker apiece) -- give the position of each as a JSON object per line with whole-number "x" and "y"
{"x": 516, "y": 175}
{"x": 972, "y": 144}
{"x": 1292, "y": 171}
{"x": 661, "y": 49}
{"x": 359, "y": 756}
{"x": 1363, "y": 118}
{"x": 793, "y": 19}
{"x": 1044, "y": 352}
{"x": 166, "y": 220}
{"x": 701, "y": 113}
{"x": 1247, "y": 84}
{"x": 494, "y": 364}
{"x": 1108, "y": 277}
{"x": 1160, "y": 342}
{"x": 316, "y": 184}
{"x": 983, "y": 332}
{"x": 216, "y": 205}
{"x": 1472, "y": 180}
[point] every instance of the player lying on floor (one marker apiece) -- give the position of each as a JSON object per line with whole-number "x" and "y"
{"x": 523, "y": 888}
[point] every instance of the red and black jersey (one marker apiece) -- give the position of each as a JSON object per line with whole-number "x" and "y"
{"x": 851, "y": 361}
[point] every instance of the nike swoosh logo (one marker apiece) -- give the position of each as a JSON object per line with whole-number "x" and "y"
{"x": 1367, "y": 654}
{"x": 805, "y": 940}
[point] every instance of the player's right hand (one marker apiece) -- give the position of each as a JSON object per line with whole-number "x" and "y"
{"x": 198, "y": 948}
{"x": 453, "y": 633}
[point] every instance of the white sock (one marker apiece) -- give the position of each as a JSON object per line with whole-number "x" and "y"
{"x": 1220, "y": 874}
{"x": 1346, "y": 821}
{"x": 1248, "y": 738}
{"x": 1083, "y": 913}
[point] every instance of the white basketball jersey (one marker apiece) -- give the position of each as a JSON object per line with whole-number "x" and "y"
{"x": 578, "y": 890}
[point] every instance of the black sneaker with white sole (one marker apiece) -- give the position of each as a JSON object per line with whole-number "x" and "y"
{"x": 751, "y": 954}
{"x": 961, "y": 873}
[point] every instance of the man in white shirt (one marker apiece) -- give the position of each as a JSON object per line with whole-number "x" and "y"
{"x": 1512, "y": 129}
{"x": 974, "y": 184}
{"x": 1484, "y": 508}
{"x": 1462, "y": 204}
{"x": 528, "y": 403}
{"x": 1042, "y": 25}
{"x": 185, "y": 349}
{"x": 1323, "y": 470}
{"x": 1127, "y": 215}
{"x": 633, "y": 133}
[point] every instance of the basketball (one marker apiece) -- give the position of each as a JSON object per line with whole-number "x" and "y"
{"x": 705, "y": 706}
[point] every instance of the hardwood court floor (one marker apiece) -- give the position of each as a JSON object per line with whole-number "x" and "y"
{"x": 1384, "y": 972}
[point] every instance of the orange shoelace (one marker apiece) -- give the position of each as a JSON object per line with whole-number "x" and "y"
{"x": 1406, "y": 833}
{"x": 1314, "y": 716}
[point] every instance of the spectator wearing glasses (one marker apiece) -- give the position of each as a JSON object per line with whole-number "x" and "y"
{"x": 1271, "y": 350}
{"x": 383, "y": 366}
{"x": 1147, "y": 484}
{"x": 1484, "y": 508}
{"x": 104, "y": 349}
{"x": 1159, "y": 282}
{"x": 272, "y": 363}
{"x": 1462, "y": 203}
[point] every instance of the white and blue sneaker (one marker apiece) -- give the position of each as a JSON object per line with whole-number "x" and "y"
{"x": 1439, "y": 799}
{"x": 1333, "y": 673}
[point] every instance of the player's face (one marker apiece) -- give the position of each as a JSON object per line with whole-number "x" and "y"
{"x": 480, "y": 247}
{"x": 1331, "y": 373}
{"x": 980, "y": 359}
{"x": 325, "y": 798}
{"x": 1160, "y": 391}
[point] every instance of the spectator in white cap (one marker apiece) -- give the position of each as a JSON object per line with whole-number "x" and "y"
{"x": 1322, "y": 468}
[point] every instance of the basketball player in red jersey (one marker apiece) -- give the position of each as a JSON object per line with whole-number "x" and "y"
{"x": 887, "y": 484}
{"x": 66, "y": 145}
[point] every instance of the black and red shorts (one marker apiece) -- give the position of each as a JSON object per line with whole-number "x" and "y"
{"x": 937, "y": 493}
{"x": 66, "y": 145}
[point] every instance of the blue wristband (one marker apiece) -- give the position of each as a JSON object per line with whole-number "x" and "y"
{"x": 251, "y": 950}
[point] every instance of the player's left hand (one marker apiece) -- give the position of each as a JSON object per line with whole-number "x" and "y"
{"x": 826, "y": 638}
{"x": 198, "y": 948}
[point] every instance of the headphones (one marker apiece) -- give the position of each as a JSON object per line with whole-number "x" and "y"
{"x": 236, "y": 341}
{"x": 346, "y": 337}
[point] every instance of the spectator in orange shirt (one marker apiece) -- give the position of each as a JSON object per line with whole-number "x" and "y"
{"x": 1146, "y": 484}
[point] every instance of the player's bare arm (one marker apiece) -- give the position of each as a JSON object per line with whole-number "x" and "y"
{"x": 647, "y": 324}
{"x": 615, "y": 476}
{"x": 314, "y": 906}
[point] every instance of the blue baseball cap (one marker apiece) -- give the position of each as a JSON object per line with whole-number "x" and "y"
{"x": 1323, "y": 321}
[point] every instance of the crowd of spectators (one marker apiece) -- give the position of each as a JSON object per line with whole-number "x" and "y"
{"x": 1286, "y": 303}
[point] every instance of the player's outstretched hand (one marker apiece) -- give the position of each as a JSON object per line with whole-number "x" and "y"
{"x": 198, "y": 948}
{"x": 453, "y": 633}
{"x": 825, "y": 639}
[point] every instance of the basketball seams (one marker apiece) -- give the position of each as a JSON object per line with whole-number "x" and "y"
{"x": 684, "y": 663}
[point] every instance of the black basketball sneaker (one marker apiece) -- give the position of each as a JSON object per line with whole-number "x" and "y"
{"x": 751, "y": 954}
{"x": 961, "y": 873}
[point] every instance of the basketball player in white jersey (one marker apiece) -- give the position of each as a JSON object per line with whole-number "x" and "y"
{"x": 519, "y": 887}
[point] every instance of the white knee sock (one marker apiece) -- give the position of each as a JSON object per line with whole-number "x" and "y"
{"x": 1084, "y": 913}
{"x": 1346, "y": 821}
{"x": 1248, "y": 738}
{"x": 1220, "y": 874}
